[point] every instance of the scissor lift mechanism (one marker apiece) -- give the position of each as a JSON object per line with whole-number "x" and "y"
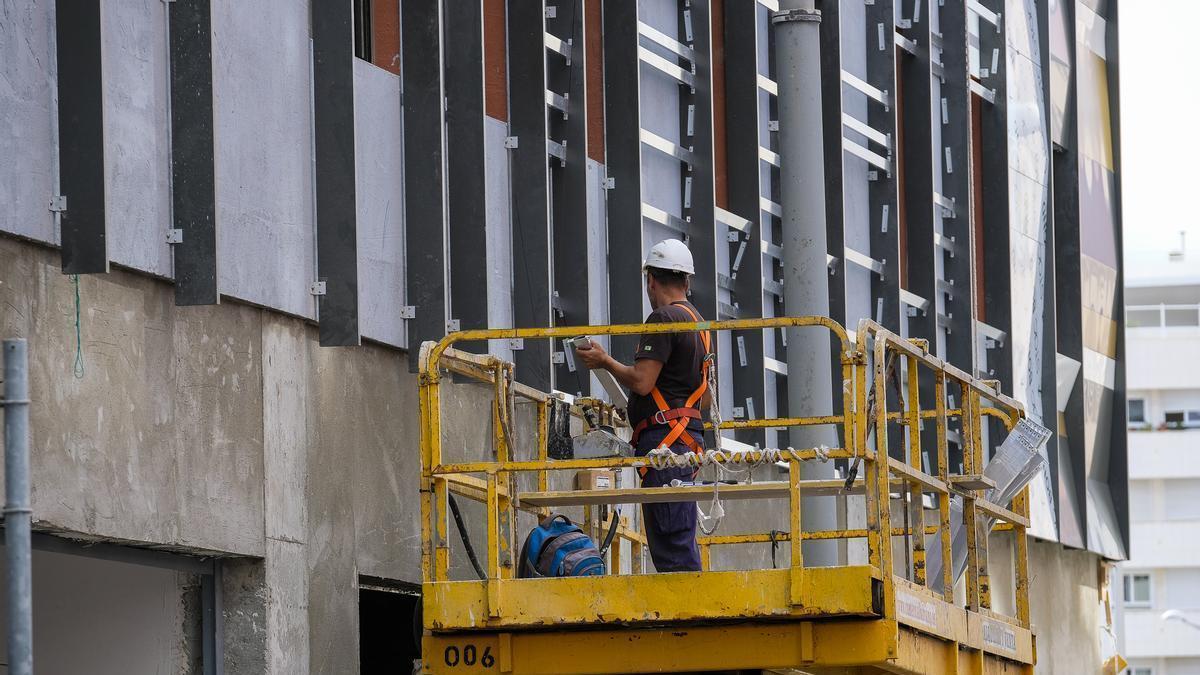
{"x": 845, "y": 619}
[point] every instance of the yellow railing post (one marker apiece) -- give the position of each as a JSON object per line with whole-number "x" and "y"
{"x": 543, "y": 435}
{"x": 1021, "y": 506}
{"x": 501, "y": 425}
{"x": 434, "y": 516}
{"x": 427, "y": 566}
{"x": 971, "y": 422}
{"x": 493, "y": 549}
{"x": 943, "y": 474}
{"x": 796, "y": 585}
{"x": 985, "y": 585}
{"x": 883, "y": 479}
{"x": 875, "y": 538}
{"x": 914, "y": 455}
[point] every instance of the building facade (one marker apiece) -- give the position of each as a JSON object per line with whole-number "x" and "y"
{"x": 228, "y": 225}
{"x": 1163, "y": 572}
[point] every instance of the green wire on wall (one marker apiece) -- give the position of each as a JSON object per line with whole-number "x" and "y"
{"x": 78, "y": 332}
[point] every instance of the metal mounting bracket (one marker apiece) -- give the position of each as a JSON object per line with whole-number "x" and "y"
{"x": 511, "y": 142}
{"x": 408, "y": 312}
{"x": 453, "y": 325}
{"x": 58, "y": 203}
{"x": 174, "y": 235}
{"x": 789, "y": 15}
{"x": 317, "y": 288}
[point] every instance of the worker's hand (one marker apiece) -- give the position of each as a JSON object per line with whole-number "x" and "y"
{"x": 592, "y": 358}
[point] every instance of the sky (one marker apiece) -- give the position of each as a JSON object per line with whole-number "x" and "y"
{"x": 1160, "y": 139}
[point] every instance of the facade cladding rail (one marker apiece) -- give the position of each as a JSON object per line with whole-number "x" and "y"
{"x": 971, "y": 152}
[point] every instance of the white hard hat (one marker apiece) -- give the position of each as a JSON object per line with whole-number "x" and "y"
{"x": 672, "y": 255}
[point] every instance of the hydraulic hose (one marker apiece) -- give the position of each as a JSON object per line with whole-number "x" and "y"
{"x": 612, "y": 531}
{"x": 466, "y": 539}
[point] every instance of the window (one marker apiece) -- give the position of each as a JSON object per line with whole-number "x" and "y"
{"x": 1137, "y": 590}
{"x": 1183, "y": 419}
{"x": 1141, "y": 501}
{"x": 1141, "y": 670}
{"x": 1137, "y": 411}
{"x": 1181, "y": 499}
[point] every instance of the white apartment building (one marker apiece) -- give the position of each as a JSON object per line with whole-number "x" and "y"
{"x": 1160, "y": 584}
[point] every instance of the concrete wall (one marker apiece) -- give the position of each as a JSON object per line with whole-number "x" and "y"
{"x": 1065, "y": 604}
{"x": 222, "y": 429}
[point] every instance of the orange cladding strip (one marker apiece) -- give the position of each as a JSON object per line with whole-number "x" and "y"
{"x": 495, "y": 73}
{"x": 385, "y": 36}
{"x": 594, "y": 49}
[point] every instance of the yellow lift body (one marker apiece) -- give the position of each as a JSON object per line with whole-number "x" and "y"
{"x": 843, "y": 619}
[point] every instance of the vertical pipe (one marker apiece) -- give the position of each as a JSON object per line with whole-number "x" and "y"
{"x": 17, "y": 514}
{"x": 805, "y": 280}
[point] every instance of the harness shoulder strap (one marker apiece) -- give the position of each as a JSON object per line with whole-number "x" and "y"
{"x": 679, "y": 425}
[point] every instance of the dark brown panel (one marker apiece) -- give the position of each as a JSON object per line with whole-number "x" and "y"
{"x": 385, "y": 35}
{"x": 495, "y": 73}
{"x": 594, "y": 46}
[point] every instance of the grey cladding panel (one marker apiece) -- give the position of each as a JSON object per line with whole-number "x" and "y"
{"x": 424, "y": 203}
{"x": 81, "y": 138}
{"x": 997, "y": 291}
{"x": 831, "y": 112}
{"x": 192, "y": 173}
{"x": 27, "y": 108}
{"x": 264, "y": 153}
{"x": 530, "y": 185}
{"x": 959, "y": 269}
{"x": 465, "y": 166}
{"x": 745, "y": 189}
{"x": 916, "y": 84}
{"x": 882, "y": 211}
{"x": 623, "y": 152}
{"x": 379, "y": 188}
{"x": 570, "y": 183}
{"x": 337, "y": 247}
{"x": 137, "y": 134}
{"x": 701, "y": 198}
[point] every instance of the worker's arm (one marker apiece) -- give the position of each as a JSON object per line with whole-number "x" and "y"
{"x": 639, "y": 378}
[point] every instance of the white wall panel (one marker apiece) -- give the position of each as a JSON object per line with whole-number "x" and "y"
{"x": 264, "y": 159}
{"x": 27, "y": 109}
{"x": 137, "y": 156}
{"x": 499, "y": 233}
{"x": 379, "y": 191}
{"x": 597, "y": 234}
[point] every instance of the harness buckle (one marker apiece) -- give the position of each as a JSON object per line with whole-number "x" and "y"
{"x": 659, "y": 417}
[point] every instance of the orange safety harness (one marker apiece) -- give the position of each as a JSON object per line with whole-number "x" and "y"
{"x": 678, "y": 418}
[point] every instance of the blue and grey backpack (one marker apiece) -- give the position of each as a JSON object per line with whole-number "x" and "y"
{"x": 558, "y": 548}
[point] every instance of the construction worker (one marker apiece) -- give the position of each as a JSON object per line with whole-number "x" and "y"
{"x": 668, "y": 387}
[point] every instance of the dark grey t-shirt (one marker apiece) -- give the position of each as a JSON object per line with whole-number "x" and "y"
{"x": 681, "y": 355}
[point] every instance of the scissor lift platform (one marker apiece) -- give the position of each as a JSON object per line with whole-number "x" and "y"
{"x": 842, "y": 619}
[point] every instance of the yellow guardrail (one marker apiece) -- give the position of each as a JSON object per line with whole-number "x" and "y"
{"x": 865, "y": 376}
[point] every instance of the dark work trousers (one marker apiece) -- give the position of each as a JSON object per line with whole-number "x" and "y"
{"x": 670, "y": 527}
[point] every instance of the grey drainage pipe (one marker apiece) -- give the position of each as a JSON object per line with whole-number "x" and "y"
{"x": 17, "y": 514}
